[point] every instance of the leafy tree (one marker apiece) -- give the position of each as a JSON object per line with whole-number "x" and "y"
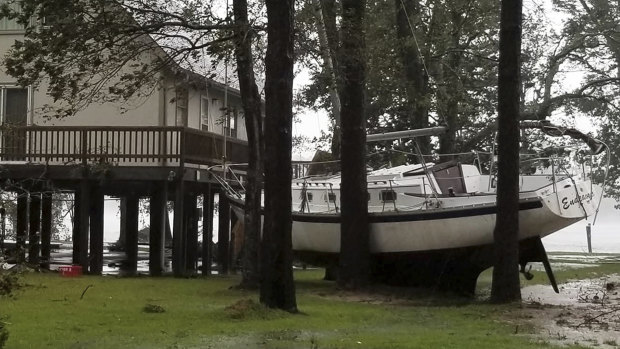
{"x": 453, "y": 48}
{"x": 505, "y": 286}
{"x": 589, "y": 43}
{"x": 416, "y": 81}
{"x": 277, "y": 289}
{"x": 354, "y": 230}
{"x": 62, "y": 207}
{"x": 457, "y": 42}
{"x": 570, "y": 66}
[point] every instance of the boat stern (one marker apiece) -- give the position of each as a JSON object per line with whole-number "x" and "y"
{"x": 570, "y": 199}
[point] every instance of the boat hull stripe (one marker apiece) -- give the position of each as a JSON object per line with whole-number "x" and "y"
{"x": 408, "y": 216}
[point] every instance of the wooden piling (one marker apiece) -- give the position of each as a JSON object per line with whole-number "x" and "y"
{"x": 191, "y": 227}
{"x": 46, "y": 229}
{"x": 207, "y": 230}
{"x": 589, "y": 237}
{"x": 233, "y": 243}
{"x": 83, "y": 212}
{"x": 34, "y": 229}
{"x": 223, "y": 234}
{"x": 96, "y": 231}
{"x": 131, "y": 234}
{"x": 158, "y": 213}
{"x": 75, "y": 237}
{"x": 179, "y": 232}
{"x": 21, "y": 229}
{"x": 2, "y": 227}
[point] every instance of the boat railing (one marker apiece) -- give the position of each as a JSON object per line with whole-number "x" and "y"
{"x": 537, "y": 172}
{"x": 329, "y": 198}
{"x": 554, "y": 168}
{"x": 228, "y": 176}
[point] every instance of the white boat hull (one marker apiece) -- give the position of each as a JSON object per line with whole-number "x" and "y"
{"x": 541, "y": 213}
{"x": 435, "y": 229}
{"x": 443, "y": 241}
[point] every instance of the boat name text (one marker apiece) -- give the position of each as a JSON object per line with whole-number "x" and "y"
{"x": 583, "y": 197}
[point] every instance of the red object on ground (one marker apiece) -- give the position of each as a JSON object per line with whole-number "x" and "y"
{"x": 70, "y": 270}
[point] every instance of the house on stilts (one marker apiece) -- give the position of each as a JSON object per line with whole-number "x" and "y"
{"x": 158, "y": 147}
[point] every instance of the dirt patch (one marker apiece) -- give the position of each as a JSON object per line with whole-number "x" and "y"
{"x": 250, "y": 309}
{"x": 586, "y": 312}
{"x": 378, "y": 294}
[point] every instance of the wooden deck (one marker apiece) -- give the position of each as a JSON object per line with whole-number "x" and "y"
{"x": 117, "y": 146}
{"x": 162, "y": 163}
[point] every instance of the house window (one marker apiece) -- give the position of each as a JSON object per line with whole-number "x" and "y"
{"x": 7, "y": 24}
{"x": 231, "y": 124}
{"x": 181, "y": 102}
{"x": 14, "y": 105}
{"x": 50, "y": 19}
{"x": 204, "y": 113}
{"x": 14, "y": 112}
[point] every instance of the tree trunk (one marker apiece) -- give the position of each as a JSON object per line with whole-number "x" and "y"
{"x": 328, "y": 67}
{"x": 505, "y": 287}
{"x": 416, "y": 77}
{"x": 354, "y": 245}
{"x": 253, "y": 123}
{"x": 277, "y": 289}
{"x": 328, "y": 11}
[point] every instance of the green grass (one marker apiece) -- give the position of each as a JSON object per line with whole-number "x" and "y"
{"x": 207, "y": 313}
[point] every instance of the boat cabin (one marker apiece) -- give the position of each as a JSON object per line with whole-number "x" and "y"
{"x": 411, "y": 187}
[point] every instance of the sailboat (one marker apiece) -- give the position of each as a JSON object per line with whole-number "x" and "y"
{"x": 432, "y": 224}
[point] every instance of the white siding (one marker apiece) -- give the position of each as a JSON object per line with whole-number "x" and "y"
{"x": 157, "y": 108}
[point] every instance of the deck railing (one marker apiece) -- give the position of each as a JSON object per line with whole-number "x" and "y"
{"x": 125, "y": 146}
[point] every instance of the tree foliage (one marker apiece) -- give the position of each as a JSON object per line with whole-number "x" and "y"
{"x": 455, "y": 63}
{"x": 569, "y": 67}
{"x": 590, "y": 54}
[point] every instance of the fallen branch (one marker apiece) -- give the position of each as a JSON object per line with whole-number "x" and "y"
{"x": 589, "y": 320}
{"x": 83, "y": 292}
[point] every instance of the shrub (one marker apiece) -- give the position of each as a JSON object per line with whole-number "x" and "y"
{"x": 9, "y": 281}
{"x": 4, "y": 334}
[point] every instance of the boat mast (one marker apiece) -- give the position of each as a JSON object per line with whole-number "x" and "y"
{"x": 387, "y": 136}
{"x": 226, "y": 123}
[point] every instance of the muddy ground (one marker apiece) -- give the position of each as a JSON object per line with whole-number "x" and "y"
{"x": 585, "y": 312}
